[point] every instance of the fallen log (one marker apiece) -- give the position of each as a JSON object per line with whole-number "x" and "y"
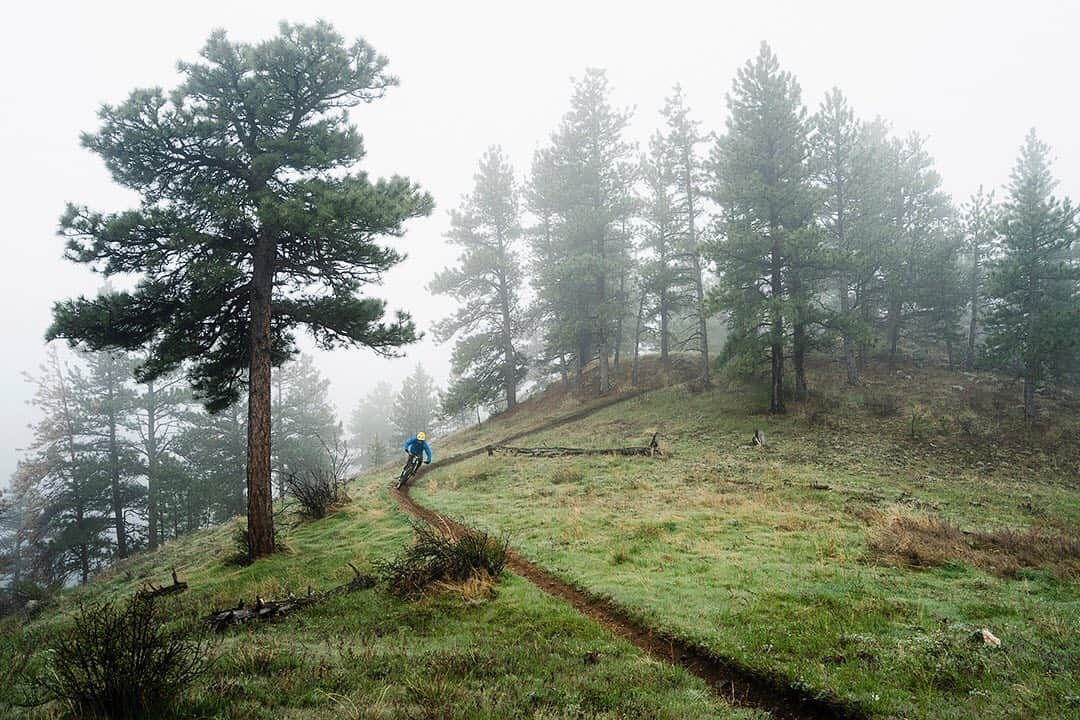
{"x": 151, "y": 591}
{"x": 267, "y": 610}
{"x": 650, "y": 450}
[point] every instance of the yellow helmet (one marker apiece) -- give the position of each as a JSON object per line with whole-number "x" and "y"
{"x": 421, "y": 436}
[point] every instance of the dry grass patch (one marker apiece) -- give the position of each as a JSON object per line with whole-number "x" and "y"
{"x": 928, "y": 541}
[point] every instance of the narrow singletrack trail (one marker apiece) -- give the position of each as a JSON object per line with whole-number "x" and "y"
{"x": 738, "y": 685}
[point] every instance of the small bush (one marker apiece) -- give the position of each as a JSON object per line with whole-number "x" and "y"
{"x": 882, "y": 405}
{"x": 438, "y": 557}
{"x": 317, "y": 490}
{"x": 321, "y": 487}
{"x": 567, "y": 475}
{"x": 120, "y": 661}
{"x": 242, "y": 554}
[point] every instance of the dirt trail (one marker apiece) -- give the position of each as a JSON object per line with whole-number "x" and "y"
{"x": 738, "y": 685}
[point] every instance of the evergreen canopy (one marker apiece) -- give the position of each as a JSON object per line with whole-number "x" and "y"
{"x": 254, "y": 146}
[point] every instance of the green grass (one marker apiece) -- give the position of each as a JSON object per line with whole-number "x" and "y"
{"x": 721, "y": 543}
{"x": 733, "y": 547}
{"x": 369, "y": 655}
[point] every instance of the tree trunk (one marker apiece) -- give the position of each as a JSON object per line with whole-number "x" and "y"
{"x": 509, "y": 364}
{"x": 152, "y": 490}
{"x": 776, "y": 390}
{"x": 861, "y": 301}
{"x": 239, "y": 447}
{"x": 699, "y": 285}
{"x": 665, "y": 321}
{"x": 277, "y": 384}
{"x": 605, "y": 379}
{"x": 637, "y": 337}
{"x": 260, "y": 507}
{"x": 563, "y": 371}
{"x": 800, "y": 339}
{"x": 799, "y": 354}
{"x": 974, "y": 325}
{"x": 1030, "y": 410}
{"x": 894, "y": 330}
{"x": 114, "y": 467}
{"x": 619, "y": 321}
{"x": 703, "y": 332}
{"x": 849, "y": 344}
{"x": 582, "y": 355}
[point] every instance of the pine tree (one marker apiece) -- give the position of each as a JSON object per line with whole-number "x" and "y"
{"x": 486, "y": 364}
{"x": 681, "y": 140}
{"x": 66, "y": 495}
{"x": 370, "y": 424}
{"x": 919, "y": 259}
{"x": 305, "y": 425}
{"x": 212, "y": 449}
{"x": 414, "y": 407}
{"x": 979, "y": 222}
{"x": 253, "y": 223}
{"x": 110, "y": 410}
{"x": 835, "y": 165}
{"x": 581, "y": 192}
{"x": 159, "y": 411}
{"x": 761, "y": 182}
{"x": 665, "y": 275}
{"x": 1034, "y": 324}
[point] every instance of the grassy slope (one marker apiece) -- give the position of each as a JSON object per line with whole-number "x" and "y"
{"x": 368, "y": 655}
{"x": 733, "y": 547}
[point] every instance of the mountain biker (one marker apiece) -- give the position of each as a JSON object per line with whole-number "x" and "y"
{"x": 418, "y": 444}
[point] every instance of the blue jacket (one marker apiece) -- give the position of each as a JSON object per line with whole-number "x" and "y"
{"x": 413, "y": 446}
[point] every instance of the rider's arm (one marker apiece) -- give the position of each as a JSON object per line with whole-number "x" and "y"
{"x": 407, "y": 442}
{"x": 427, "y": 451}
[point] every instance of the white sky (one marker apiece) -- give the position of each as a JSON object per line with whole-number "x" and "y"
{"x": 973, "y": 76}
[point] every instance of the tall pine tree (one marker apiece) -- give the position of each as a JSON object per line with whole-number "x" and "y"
{"x": 414, "y": 407}
{"x": 761, "y": 182}
{"x": 681, "y": 141}
{"x": 581, "y": 193}
{"x": 979, "y": 224}
{"x": 66, "y": 491}
{"x": 1034, "y": 324}
{"x": 254, "y": 222}
{"x": 487, "y": 366}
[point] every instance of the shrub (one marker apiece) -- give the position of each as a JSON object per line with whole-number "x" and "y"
{"x": 882, "y": 405}
{"x": 321, "y": 487}
{"x": 440, "y": 557}
{"x": 120, "y": 661}
{"x": 567, "y": 475}
{"x": 242, "y": 554}
{"x": 317, "y": 490}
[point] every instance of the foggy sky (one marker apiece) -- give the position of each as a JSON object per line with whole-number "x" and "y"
{"x": 972, "y": 76}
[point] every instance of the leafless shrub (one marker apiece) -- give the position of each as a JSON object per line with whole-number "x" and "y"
{"x": 320, "y": 489}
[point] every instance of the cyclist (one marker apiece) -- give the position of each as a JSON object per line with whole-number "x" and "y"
{"x": 416, "y": 445}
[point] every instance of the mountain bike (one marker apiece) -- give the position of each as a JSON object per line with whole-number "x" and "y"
{"x": 411, "y": 466}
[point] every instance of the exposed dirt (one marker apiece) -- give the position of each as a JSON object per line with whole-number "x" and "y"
{"x": 738, "y": 685}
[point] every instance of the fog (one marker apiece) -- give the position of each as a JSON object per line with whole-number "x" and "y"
{"x": 971, "y": 76}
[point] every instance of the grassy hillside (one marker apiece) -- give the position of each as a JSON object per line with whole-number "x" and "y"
{"x": 855, "y": 555}
{"x": 453, "y": 654}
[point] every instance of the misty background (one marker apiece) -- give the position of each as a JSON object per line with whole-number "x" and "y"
{"x": 972, "y": 77}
